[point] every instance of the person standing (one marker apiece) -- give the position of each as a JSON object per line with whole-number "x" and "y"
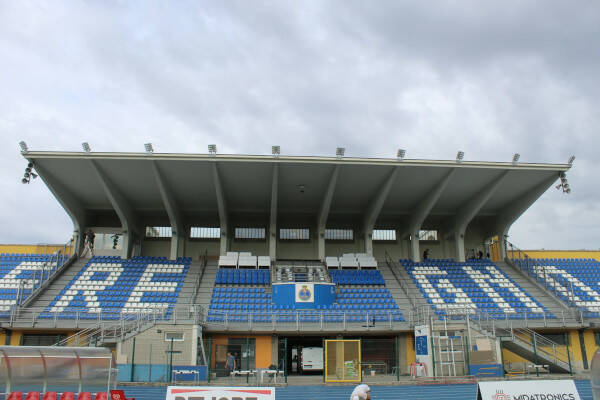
{"x": 361, "y": 392}
{"x": 229, "y": 364}
{"x": 426, "y": 254}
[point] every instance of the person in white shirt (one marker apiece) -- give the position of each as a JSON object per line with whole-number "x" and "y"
{"x": 361, "y": 392}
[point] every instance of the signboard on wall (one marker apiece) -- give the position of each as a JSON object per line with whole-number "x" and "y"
{"x": 305, "y": 292}
{"x": 528, "y": 390}
{"x": 423, "y": 349}
{"x": 221, "y": 393}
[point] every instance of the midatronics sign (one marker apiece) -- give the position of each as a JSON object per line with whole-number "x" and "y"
{"x": 219, "y": 393}
{"x": 528, "y": 390}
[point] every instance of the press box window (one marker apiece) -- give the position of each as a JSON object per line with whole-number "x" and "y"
{"x": 175, "y": 336}
{"x": 384, "y": 235}
{"x": 294, "y": 234}
{"x": 159, "y": 232}
{"x": 249, "y": 233}
{"x": 428, "y": 235}
{"x": 339, "y": 234}
{"x": 203, "y": 232}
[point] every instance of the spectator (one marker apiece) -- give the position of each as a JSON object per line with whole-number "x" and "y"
{"x": 426, "y": 254}
{"x": 229, "y": 364}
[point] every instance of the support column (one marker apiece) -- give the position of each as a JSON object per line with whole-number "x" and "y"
{"x": 222, "y": 206}
{"x": 273, "y": 216}
{"x": 172, "y": 210}
{"x": 121, "y": 207}
{"x": 421, "y": 212}
{"x": 468, "y": 211}
{"x": 375, "y": 208}
{"x": 324, "y": 211}
{"x": 73, "y": 206}
{"x": 414, "y": 246}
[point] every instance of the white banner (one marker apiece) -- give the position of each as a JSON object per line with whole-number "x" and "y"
{"x": 424, "y": 366}
{"x": 305, "y": 292}
{"x": 529, "y": 390}
{"x": 221, "y": 393}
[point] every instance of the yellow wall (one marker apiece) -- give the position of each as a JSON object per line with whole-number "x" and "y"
{"x": 411, "y": 355}
{"x": 32, "y": 248}
{"x": 563, "y": 254}
{"x": 262, "y": 352}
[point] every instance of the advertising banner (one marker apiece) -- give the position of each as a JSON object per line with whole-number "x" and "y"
{"x": 305, "y": 292}
{"x": 528, "y": 390}
{"x": 423, "y": 351}
{"x": 220, "y": 393}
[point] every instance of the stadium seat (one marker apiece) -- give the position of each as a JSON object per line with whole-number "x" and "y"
{"x": 15, "y": 396}
{"x": 114, "y": 286}
{"x": 119, "y": 395}
{"x": 84, "y": 396}
{"x": 67, "y": 396}
{"x": 101, "y": 396}
{"x": 49, "y": 396}
{"x": 33, "y": 396}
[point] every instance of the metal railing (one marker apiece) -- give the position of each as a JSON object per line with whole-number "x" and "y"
{"x": 75, "y": 317}
{"x": 391, "y": 264}
{"x": 298, "y": 320}
{"x": 537, "y": 271}
{"x": 203, "y": 263}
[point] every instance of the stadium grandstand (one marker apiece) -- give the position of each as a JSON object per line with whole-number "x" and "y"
{"x": 276, "y": 269}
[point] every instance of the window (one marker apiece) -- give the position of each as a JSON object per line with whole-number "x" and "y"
{"x": 294, "y": 234}
{"x": 428, "y": 235}
{"x": 159, "y": 232}
{"x": 34, "y": 339}
{"x": 203, "y": 232}
{"x": 339, "y": 234}
{"x": 175, "y": 336}
{"x": 249, "y": 233}
{"x": 384, "y": 234}
{"x": 558, "y": 338}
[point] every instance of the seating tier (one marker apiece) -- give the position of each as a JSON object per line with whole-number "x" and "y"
{"x": 474, "y": 286}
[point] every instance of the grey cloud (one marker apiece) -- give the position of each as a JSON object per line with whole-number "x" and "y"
{"x": 488, "y": 78}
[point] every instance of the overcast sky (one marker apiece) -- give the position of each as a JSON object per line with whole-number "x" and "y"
{"x": 487, "y": 78}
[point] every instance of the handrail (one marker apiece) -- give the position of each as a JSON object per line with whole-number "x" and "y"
{"x": 204, "y": 262}
{"x": 532, "y": 268}
{"x": 392, "y": 267}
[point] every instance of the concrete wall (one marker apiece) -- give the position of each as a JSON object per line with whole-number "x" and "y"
{"x": 156, "y": 247}
{"x": 151, "y": 346}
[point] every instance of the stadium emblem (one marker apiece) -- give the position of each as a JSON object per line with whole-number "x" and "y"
{"x": 304, "y": 293}
{"x": 500, "y": 395}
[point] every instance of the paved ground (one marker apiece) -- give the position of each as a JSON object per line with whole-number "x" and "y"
{"x": 434, "y": 392}
{"x": 322, "y": 392}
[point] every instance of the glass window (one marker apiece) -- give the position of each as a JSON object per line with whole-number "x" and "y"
{"x": 176, "y": 336}
{"x": 249, "y": 233}
{"x": 159, "y": 232}
{"x": 204, "y": 232}
{"x": 384, "y": 234}
{"x": 339, "y": 234}
{"x": 428, "y": 235}
{"x": 294, "y": 234}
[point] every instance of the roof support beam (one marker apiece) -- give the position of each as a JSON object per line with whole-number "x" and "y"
{"x": 69, "y": 203}
{"x": 222, "y": 207}
{"x": 123, "y": 209}
{"x": 421, "y": 212}
{"x": 507, "y": 216}
{"x": 273, "y": 216}
{"x": 178, "y": 237}
{"x": 467, "y": 212}
{"x": 324, "y": 211}
{"x": 375, "y": 208}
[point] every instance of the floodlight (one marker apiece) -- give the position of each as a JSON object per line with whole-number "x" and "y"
{"x": 401, "y": 154}
{"x": 562, "y": 175}
{"x": 149, "y": 148}
{"x": 212, "y": 149}
{"x": 24, "y": 180}
{"x": 340, "y": 151}
{"x": 516, "y": 157}
{"x": 276, "y": 150}
{"x": 460, "y": 155}
{"x": 571, "y": 159}
{"x": 86, "y": 147}
{"x": 23, "y": 146}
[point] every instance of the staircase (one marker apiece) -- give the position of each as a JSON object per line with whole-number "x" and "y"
{"x": 207, "y": 283}
{"x": 404, "y": 291}
{"x": 553, "y": 304}
{"x": 188, "y": 289}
